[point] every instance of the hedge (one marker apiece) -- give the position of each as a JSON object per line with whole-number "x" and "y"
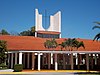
{"x": 3, "y": 66}
{"x": 18, "y": 67}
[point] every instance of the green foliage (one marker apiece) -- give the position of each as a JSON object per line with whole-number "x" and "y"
{"x": 18, "y": 67}
{"x": 3, "y": 66}
{"x": 63, "y": 45}
{"x": 30, "y": 32}
{"x": 50, "y": 43}
{"x": 3, "y": 51}
{"x": 4, "y": 32}
{"x": 71, "y": 43}
{"x": 97, "y": 36}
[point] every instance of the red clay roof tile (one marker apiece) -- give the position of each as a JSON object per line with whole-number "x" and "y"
{"x": 33, "y": 43}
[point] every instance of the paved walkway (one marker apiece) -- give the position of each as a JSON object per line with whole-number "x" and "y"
{"x": 46, "y": 72}
{"x": 7, "y": 70}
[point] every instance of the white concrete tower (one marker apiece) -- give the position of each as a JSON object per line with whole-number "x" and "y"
{"x": 54, "y": 30}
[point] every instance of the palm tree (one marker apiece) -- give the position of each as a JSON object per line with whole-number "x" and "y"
{"x": 97, "y": 36}
{"x": 63, "y": 45}
{"x": 71, "y": 44}
{"x": 47, "y": 44}
{"x": 80, "y": 44}
{"x": 50, "y": 44}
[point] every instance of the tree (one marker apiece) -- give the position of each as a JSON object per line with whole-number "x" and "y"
{"x": 80, "y": 44}
{"x": 30, "y": 32}
{"x": 33, "y": 31}
{"x": 4, "y": 32}
{"x": 50, "y": 44}
{"x": 97, "y": 36}
{"x": 3, "y": 51}
{"x": 71, "y": 44}
{"x": 63, "y": 45}
{"x": 25, "y": 33}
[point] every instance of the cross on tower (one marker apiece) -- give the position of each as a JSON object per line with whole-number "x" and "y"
{"x": 45, "y": 19}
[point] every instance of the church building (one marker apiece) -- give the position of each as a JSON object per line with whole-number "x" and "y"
{"x": 30, "y": 50}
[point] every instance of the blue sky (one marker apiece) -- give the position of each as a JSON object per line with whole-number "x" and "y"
{"x": 77, "y": 15}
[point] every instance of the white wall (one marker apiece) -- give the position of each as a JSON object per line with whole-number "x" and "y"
{"x": 55, "y": 22}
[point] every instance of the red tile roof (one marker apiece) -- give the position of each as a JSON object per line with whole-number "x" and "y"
{"x": 33, "y": 43}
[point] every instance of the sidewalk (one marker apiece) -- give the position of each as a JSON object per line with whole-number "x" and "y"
{"x": 48, "y": 71}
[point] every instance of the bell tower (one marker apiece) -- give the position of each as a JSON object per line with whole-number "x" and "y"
{"x": 54, "y": 30}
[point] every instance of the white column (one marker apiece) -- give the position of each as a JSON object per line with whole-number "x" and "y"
{"x": 20, "y": 58}
{"x": 28, "y": 60}
{"x": 56, "y": 64}
{"x": 33, "y": 61}
{"x": 51, "y": 58}
{"x": 39, "y": 61}
{"x": 83, "y": 61}
{"x": 95, "y": 59}
{"x": 11, "y": 60}
{"x": 76, "y": 59}
{"x": 15, "y": 58}
{"x": 35, "y": 34}
{"x": 87, "y": 61}
{"x": 48, "y": 60}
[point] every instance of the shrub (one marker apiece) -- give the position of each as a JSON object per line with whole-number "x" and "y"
{"x": 18, "y": 67}
{"x": 3, "y": 66}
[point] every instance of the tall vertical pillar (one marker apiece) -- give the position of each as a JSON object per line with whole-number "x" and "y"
{"x": 35, "y": 34}
{"x": 87, "y": 61}
{"x": 28, "y": 60}
{"x": 95, "y": 59}
{"x": 80, "y": 58}
{"x": 76, "y": 59}
{"x": 8, "y": 60}
{"x": 91, "y": 61}
{"x": 24, "y": 60}
{"x": 56, "y": 64}
{"x": 48, "y": 60}
{"x": 39, "y": 61}
{"x": 72, "y": 64}
{"x": 15, "y": 58}
{"x": 64, "y": 62}
{"x": 33, "y": 60}
{"x": 20, "y": 57}
{"x": 51, "y": 58}
{"x": 11, "y": 60}
{"x": 43, "y": 59}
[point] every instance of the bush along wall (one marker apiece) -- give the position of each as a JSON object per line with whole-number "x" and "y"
{"x": 3, "y": 66}
{"x": 18, "y": 67}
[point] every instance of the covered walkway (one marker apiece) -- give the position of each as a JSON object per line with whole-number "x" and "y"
{"x": 55, "y": 60}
